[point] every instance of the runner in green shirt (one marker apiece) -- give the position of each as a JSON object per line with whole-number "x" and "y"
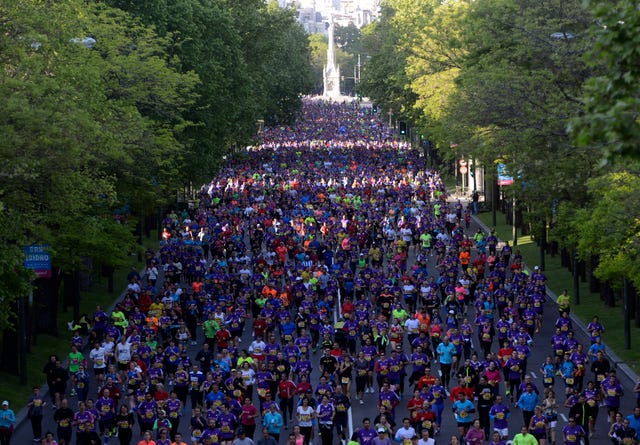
{"x": 524, "y": 437}
{"x": 564, "y": 302}
{"x": 75, "y": 360}
{"x": 210, "y": 327}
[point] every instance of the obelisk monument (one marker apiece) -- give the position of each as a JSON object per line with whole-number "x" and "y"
{"x": 331, "y": 73}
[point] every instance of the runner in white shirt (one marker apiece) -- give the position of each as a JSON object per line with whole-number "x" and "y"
{"x": 412, "y": 325}
{"x": 425, "y": 439}
{"x": 405, "y": 433}
{"x": 123, "y": 356}
{"x": 98, "y": 357}
{"x": 152, "y": 274}
{"x": 256, "y": 349}
{"x": 109, "y": 347}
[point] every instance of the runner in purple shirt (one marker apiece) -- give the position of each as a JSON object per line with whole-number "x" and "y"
{"x": 572, "y": 433}
{"x": 612, "y": 391}
{"x": 367, "y": 433}
{"x": 500, "y": 414}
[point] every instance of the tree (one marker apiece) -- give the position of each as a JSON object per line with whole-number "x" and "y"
{"x": 433, "y": 64}
{"x": 87, "y": 129}
{"x": 610, "y": 227}
{"x": 611, "y": 119}
{"x": 318, "y": 46}
{"x": 384, "y": 77}
{"x": 237, "y": 49}
{"x": 280, "y": 67}
{"x": 347, "y": 38}
{"x": 519, "y": 84}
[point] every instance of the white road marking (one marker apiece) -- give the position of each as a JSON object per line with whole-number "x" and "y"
{"x": 564, "y": 418}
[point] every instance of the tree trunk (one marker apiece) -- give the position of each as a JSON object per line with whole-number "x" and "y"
{"x": 72, "y": 292}
{"x": 45, "y": 306}
{"x": 565, "y": 260}
{"x": 10, "y": 343}
{"x": 635, "y": 296}
{"x": 582, "y": 271}
{"x": 594, "y": 283}
{"x": 607, "y": 295}
{"x": 85, "y": 276}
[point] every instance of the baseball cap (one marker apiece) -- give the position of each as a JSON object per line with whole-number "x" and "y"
{"x": 382, "y": 430}
{"x": 6, "y": 402}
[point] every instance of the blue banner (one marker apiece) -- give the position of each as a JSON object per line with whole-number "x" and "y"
{"x": 503, "y": 176}
{"x": 38, "y": 259}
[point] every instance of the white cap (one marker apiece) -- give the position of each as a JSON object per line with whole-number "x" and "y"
{"x": 6, "y": 402}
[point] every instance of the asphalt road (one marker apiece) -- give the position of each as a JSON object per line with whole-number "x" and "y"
{"x": 541, "y": 348}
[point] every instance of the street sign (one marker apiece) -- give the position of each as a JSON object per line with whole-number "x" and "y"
{"x": 38, "y": 259}
{"x": 463, "y": 170}
{"x": 462, "y": 162}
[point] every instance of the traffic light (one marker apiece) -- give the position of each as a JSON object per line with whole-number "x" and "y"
{"x": 375, "y": 108}
{"x": 403, "y": 128}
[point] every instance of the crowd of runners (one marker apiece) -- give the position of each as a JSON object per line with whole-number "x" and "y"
{"x": 326, "y": 265}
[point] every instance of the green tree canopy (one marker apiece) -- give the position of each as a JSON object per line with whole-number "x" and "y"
{"x": 89, "y": 128}
{"x": 610, "y": 227}
{"x": 253, "y": 61}
{"x": 611, "y": 119}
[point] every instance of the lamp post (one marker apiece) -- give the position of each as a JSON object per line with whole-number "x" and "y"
{"x": 494, "y": 201}
{"x": 543, "y": 243}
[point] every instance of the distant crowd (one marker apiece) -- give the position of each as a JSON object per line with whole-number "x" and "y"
{"x": 327, "y": 268}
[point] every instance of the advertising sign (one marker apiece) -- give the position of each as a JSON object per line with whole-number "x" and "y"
{"x": 503, "y": 176}
{"x": 38, "y": 259}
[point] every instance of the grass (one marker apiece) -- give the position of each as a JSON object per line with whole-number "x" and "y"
{"x": 560, "y": 278}
{"x": 46, "y": 345}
